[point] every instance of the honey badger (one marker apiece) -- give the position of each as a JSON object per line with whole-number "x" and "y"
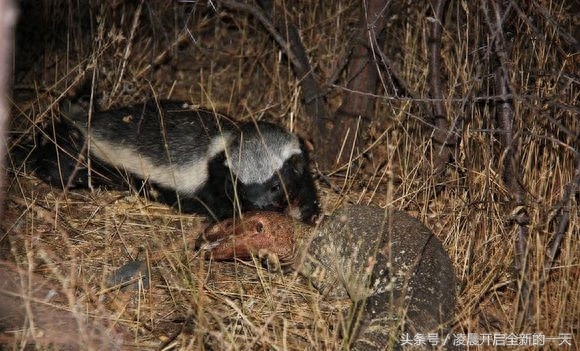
{"x": 199, "y": 160}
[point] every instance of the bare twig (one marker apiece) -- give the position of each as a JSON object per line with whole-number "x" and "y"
{"x": 355, "y": 112}
{"x": 567, "y": 37}
{"x": 395, "y": 75}
{"x": 287, "y": 36}
{"x": 128, "y": 48}
{"x": 435, "y": 57}
{"x": 442, "y": 138}
{"x": 570, "y": 189}
{"x": 511, "y": 174}
{"x": 529, "y": 20}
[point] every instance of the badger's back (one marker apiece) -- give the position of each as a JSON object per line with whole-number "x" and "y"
{"x": 167, "y": 142}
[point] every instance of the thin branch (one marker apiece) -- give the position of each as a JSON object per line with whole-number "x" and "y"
{"x": 352, "y": 118}
{"x": 394, "y": 74}
{"x": 570, "y": 189}
{"x": 362, "y": 74}
{"x": 443, "y": 139}
{"x": 567, "y": 37}
{"x": 270, "y": 27}
{"x": 287, "y": 36}
{"x": 435, "y": 57}
{"x": 511, "y": 175}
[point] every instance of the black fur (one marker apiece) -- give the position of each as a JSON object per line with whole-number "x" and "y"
{"x": 55, "y": 154}
{"x": 197, "y": 160}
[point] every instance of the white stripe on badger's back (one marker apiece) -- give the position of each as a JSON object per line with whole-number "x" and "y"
{"x": 152, "y": 130}
{"x": 184, "y": 178}
{"x": 165, "y": 141}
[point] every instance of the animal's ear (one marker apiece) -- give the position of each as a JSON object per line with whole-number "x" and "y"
{"x": 72, "y": 110}
{"x": 298, "y": 164}
{"x": 76, "y": 106}
{"x": 306, "y": 145}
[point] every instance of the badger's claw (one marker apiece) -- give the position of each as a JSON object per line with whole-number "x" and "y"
{"x": 261, "y": 234}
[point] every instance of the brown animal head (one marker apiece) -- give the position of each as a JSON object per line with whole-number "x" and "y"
{"x": 259, "y": 234}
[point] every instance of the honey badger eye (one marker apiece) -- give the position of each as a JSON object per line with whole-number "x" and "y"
{"x": 275, "y": 188}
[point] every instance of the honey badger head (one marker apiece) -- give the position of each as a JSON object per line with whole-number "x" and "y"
{"x": 270, "y": 169}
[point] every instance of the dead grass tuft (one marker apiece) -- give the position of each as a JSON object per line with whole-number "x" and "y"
{"x": 131, "y": 50}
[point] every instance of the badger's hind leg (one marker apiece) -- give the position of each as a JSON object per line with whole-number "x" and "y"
{"x": 57, "y": 155}
{"x": 52, "y": 154}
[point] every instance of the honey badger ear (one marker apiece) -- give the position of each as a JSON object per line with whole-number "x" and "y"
{"x": 73, "y": 110}
{"x": 298, "y": 164}
{"x": 76, "y": 106}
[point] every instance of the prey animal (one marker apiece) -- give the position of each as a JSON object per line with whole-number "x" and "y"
{"x": 383, "y": 260}
{"x": 196, "y": 159}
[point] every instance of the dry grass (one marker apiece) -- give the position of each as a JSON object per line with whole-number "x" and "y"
{"x": 226, "y": 61}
